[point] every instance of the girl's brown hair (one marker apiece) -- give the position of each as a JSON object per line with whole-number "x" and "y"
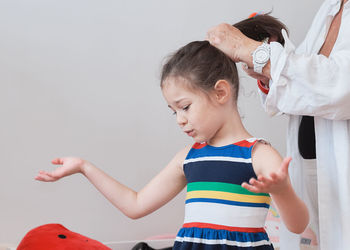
{"x": 202, "y": 65}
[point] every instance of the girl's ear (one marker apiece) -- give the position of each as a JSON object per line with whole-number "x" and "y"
{"x": 222, "y": 91}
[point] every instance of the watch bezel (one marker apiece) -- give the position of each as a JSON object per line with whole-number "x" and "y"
{"x": 258, "y": 61}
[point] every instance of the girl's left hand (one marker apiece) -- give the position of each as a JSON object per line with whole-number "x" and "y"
{"x": 273, "y": 184}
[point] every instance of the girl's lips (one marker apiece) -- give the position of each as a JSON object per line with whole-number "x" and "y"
{"x": 190, "y": 133}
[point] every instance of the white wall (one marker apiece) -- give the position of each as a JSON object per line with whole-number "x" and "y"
{"x": 81, "y": 78}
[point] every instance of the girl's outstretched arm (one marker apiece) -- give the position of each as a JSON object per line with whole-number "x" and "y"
{"x": 161, "y": 189}
{"x": 273, "y": 177}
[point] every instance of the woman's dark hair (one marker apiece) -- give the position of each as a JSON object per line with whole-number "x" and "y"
{"x": 262, "y": 26}
{"x": 202, "y": 65}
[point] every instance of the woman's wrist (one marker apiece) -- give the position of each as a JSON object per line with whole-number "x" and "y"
{"x": 246, "y": 57}
{"x": 250, "y": 46}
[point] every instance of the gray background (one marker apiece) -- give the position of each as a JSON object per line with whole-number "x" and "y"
{"x": 81, "y": 78}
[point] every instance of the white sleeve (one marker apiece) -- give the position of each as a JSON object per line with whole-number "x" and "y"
{"x": 309, "y": 84}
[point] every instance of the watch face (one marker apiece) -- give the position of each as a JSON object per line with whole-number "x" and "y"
{"x": 261, "y": 56}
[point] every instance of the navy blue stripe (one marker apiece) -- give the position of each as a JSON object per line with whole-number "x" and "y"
{"x": 200, "y": 246}
{"x": 227, "y": 202}
{"x": 219, "y": 171}
{"x": 228, "y": 151}
{"x": 210, "y": 234}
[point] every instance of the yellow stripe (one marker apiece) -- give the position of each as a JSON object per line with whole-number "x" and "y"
{"x": 228, "y": 196}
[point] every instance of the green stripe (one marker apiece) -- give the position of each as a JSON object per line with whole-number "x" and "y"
{"x": 220, "y": 186}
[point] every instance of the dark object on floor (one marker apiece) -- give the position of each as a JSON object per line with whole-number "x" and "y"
{"x": 145, "y": 246}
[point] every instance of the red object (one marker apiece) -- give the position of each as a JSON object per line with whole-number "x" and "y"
{"x": 220, "y": 227}
{"x": 264, "y": 89}
{"x": 253, "y": 15}
{"x": 57, "y": 237}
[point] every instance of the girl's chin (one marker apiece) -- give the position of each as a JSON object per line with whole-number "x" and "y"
{"x": 199, "y": 140}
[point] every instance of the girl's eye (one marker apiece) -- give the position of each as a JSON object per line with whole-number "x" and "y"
{"x": 186, "y": 107}
{"x": 174, "y": 112}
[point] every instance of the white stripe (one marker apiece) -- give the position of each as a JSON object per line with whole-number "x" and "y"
{"x": 226, "y": 215}
{"x": 223, "y": 242}
{"x": 253, "y": 139}
{"x": 218, "y": 158}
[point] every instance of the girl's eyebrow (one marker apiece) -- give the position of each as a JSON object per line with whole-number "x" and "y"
{"x": 180, "y": 100}
{"x": 177, "y": 102}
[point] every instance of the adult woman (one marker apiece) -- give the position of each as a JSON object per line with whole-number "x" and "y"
{"x": 312, "y": 81}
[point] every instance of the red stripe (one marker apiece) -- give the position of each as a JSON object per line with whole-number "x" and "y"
{"x": 245, "y": 143}
{"x": 199, "y": 145}
{"x": 220, "y": 227}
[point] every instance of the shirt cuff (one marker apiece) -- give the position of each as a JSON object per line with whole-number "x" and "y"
{"x": 263, "y": 87}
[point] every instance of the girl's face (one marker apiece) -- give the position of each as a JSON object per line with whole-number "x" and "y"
{"x": 197, "y": 113}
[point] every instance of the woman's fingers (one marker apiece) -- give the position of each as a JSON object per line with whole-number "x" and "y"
{"x": 216, "y": 34}
{"x": 250, "y": 72}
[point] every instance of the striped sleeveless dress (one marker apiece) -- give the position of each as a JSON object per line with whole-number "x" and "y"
{"x": 219, "y": 213}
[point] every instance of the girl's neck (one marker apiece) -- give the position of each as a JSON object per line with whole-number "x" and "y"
{"x": 231, "y": 131}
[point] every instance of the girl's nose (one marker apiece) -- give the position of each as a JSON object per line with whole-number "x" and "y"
{"x": 181, "y": 119}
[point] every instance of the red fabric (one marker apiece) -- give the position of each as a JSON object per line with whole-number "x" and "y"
{"x": 245, "y": 143}
{"x": 57, "y": 237}
{"x": 198, "y": 145}
{"x": 264, "y": 89}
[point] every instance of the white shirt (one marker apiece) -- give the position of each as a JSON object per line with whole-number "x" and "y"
{"x": 305, "y": 83}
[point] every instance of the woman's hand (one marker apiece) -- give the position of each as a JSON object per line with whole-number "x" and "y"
{"x": 276, "y": 183}
{"x": 233, "y": 43}
{"x": 250, "y": 72}
{"x": 69, "y": 166}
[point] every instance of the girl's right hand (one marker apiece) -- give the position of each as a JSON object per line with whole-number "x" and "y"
{"x": 69, "y": 166}
{"x": 276, "y": 183}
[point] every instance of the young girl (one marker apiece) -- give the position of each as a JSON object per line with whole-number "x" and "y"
{"x": 230, "y": 175}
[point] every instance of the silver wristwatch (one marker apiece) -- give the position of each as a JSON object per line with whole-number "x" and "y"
{"x": 261, "y": 56}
